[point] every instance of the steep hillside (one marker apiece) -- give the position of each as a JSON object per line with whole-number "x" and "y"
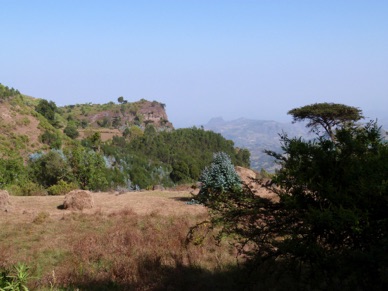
{"x": 21, "y": 127}
{"x": 24, "y": 131}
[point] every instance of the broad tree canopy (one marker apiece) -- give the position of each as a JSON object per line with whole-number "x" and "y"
{"x": 327, "y": 115}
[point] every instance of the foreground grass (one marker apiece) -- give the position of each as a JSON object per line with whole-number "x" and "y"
{"x": 118, "y": 251}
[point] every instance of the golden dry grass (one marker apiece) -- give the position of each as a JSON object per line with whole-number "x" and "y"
{"x": 25, "y": 208}
{"x": 130, "y": 241}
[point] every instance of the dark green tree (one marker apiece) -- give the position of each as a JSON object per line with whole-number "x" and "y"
{"x": 167, "y": 157}
{"x": 93, "y": 141}
{"x": 89, "y": 169}
{"x": 244, "y": 156}
{"x": 71, "y": 130}
{"x": 180, "y": 172}
{"x": 48, "y": 169}
{"x": 47, "y": 109}
{"x": 52, "y": 139}
{"x": 120, "y": 100}
{"x": 12, "y": 171}
{"x": 329, "y": 225}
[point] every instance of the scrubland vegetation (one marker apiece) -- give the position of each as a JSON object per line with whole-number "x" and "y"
{"x": 144, "y": 154}
{"x": 327, "y": 229}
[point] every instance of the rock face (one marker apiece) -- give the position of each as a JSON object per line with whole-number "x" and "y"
{"x": 4, "y": 200}
{"x": 78, "y": 200}
{"x": 138, "y": 113}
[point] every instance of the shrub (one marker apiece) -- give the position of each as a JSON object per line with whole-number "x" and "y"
{"x": 50, "y": 168}
{"x": 12, "y": 171}
{"x": 52, "y": 139}
{"x": 15, "y": 279}
{"x": 47, "y": 109}
{"x": 71, "y": 130}
{"x": 61, "y": 188}
{"x": 27, "y": 189}
{"x": 219, "y": 177}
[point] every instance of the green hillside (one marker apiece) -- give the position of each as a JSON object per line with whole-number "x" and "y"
{"x": 49, "y": 149}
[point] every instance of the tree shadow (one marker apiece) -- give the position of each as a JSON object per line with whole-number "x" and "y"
{"x": 269, "y": 275}
{"x": 152, "y": 275}
{"x": 168, "y": 278}
{"x": 182, "y": 199}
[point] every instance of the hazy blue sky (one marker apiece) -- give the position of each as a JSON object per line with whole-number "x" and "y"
{"x": 203, "y": 59}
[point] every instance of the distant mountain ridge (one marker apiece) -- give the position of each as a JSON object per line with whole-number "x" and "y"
{"x": 257, "y": 136}
{"x": 260, "y": 135}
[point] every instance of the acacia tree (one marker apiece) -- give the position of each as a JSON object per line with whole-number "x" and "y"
{"x": 331, "y": 218}
{"x": 120, "y": 99}
{"x": 327, "y": 115}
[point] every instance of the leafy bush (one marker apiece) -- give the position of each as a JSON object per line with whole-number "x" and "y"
{"x": 15, "y": 279}
{"x": 61, "y": 188}
{"x": 90, "y": 170}
{"x": 71, "y": 130}
{"x": 47, "y": 109}
{"x": 52, "y": 139}
{"x": 12, "y": 171}
{"x": 27, "y": 188}
{"x": 50, "y": 168}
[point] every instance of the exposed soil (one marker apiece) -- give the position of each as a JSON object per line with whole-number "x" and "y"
{"x": 249, "y": 177}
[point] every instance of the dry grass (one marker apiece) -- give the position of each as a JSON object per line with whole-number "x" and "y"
{"x": 78, "y": 200}
{"x": 25, "y": 208}
{"x": 4, "y": 200}
{"x": 132, "y": 241}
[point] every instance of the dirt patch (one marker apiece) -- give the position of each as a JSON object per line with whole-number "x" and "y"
{"x": 249, "y": 178}
{"x": 78, "y": 200}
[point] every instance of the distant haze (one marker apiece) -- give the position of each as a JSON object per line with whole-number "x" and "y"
{"x": 252, "y": 59}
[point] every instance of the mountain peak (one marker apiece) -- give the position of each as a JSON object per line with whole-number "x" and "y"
{"x": 216, "y": 121}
